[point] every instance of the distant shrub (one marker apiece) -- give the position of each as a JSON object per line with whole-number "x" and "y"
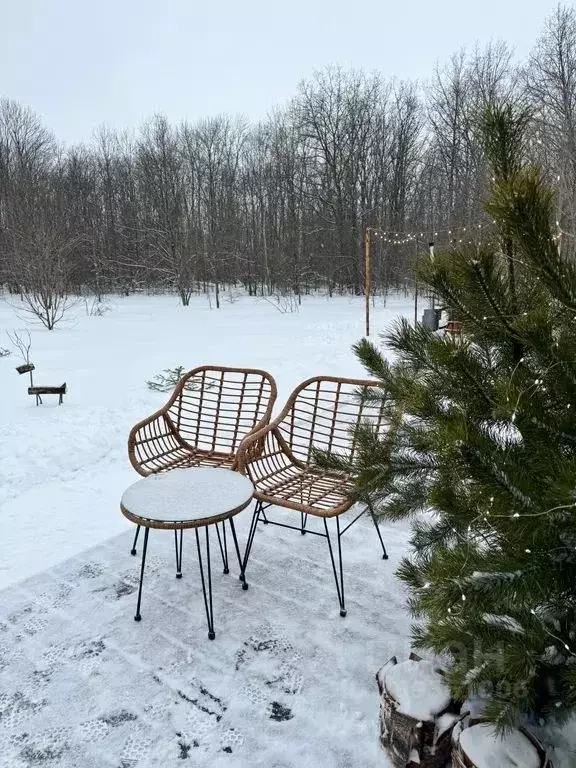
{"x": 95, "y": 308}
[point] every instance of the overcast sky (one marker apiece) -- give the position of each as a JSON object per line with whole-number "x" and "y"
{"x": 80, "y": 64}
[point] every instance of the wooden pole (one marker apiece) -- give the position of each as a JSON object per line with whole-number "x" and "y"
{"x": 367, "y": 278}
{"x": 416, "y": 290}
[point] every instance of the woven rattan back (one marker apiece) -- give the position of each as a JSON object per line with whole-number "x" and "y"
{"x": 323, "y": 412}
{"x": 214, "y": 408}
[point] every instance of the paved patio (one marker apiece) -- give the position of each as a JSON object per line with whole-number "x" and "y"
{"x": 286, "y": 684}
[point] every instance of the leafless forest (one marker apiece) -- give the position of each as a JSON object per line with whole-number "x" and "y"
{"x": 280, "y": 207}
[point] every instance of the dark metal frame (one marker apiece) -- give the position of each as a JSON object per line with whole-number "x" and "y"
{"x": 204, "y": 564}
{"x": 337, "y": 569}
{"x": 178, "y": 547}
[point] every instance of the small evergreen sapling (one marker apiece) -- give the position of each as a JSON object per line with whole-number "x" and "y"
{"x": 167, "y": 380}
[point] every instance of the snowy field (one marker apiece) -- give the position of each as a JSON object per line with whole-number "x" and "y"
{"x": 63, "y": 469}
{"x": 287, "y": 683}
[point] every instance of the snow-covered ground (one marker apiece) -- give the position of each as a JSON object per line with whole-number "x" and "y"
{"x": 63, "y": 469}
{"x": 287, "y": 683}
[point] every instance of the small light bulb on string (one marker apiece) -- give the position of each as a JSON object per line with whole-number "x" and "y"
{"x": 463, "y": 598}
{"x": 528, "y": 551}
{"x": 516, "y": 515}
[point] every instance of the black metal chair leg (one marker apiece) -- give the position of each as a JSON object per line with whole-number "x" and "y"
{"x": 303, "y": 520}
{"x": 138, "y": 617}
{"x": 207, "y": 594}
{"x": 338, "y": 572}
{"x": 223, "y": 545}
{"x": 178, "y": 550}
{"x": 251, "y": 534}
{"x": 133, "y": 550}
{"x": 375, "y": 521}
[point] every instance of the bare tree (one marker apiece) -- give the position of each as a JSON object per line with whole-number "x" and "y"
{"x": 550, "y": 83}
{"x": 280, "y": 207}
{"x": 42, "y": 259}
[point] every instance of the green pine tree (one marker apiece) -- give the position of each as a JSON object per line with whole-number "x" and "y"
{"x": 481, "y": 452}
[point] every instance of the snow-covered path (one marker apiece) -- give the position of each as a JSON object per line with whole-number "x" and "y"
{"x": 287, "y": 683}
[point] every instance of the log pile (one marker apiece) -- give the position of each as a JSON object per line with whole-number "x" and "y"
{"x": 417, "y": 714}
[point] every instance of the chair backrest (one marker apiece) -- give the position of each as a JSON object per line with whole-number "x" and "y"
{"x": 214, "y": 408}
{"x": 322, "y": 413}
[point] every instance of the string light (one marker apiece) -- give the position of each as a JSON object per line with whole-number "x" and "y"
{"x": 403, "y": 238}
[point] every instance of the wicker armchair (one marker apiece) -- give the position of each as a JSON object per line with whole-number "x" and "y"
{"x": 210, "y": 412}
{"x": 321, "y": 413}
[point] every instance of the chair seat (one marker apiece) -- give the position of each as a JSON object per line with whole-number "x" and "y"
{"x": 307, "y": 490}
{"x": 185, "y": 457}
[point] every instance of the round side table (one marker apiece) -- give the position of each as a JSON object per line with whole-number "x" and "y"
{"x": 197, "y": 497}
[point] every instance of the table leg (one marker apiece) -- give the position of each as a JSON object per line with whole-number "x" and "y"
{"x": 178, "y": 550}
{"x": 206, "y": 592}
{"x": 138, "y": 617}
{"x": 237, "y": 548}
{"x": 133, "y": 550}
{"x": 223, "y": 545}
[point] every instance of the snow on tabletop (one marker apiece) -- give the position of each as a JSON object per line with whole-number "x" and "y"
{"x": 486, "y": 749}
{"x": 188, "y": 494}
{"x": 418, "y": 689}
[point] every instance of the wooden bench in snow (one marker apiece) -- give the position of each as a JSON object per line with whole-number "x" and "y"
{"x": 479, "y": 746}
{"x": 38, "y": 391}
{"x": 417, "y": 714}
